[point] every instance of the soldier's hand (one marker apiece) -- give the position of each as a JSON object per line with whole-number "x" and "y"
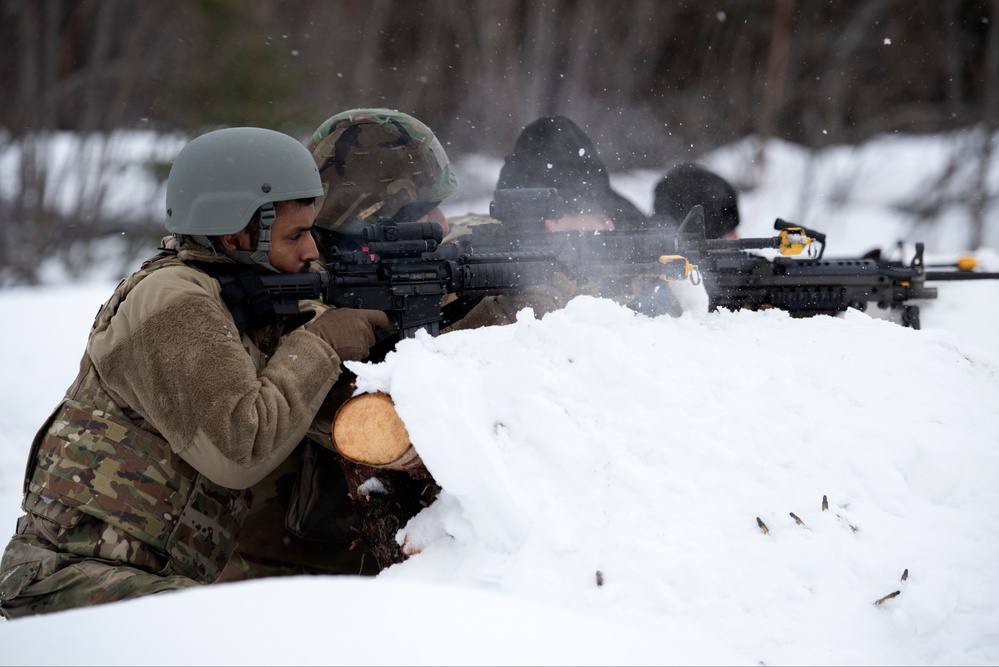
{"x": 350, "y": 331}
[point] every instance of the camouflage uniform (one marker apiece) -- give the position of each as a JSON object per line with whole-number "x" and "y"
{"x": 274, "y": 543}
{"x": 374, "y": 163}
{"x": 459, "y": 225}
{"x": 117, "y": 504}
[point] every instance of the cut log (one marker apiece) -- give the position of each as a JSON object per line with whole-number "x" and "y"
{"x": 368, "y": 430}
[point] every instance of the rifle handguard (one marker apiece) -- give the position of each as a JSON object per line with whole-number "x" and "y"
{"x": 368, "y": 430}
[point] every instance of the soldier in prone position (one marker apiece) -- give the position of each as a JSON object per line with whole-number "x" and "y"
{"x": 554, "y": 152}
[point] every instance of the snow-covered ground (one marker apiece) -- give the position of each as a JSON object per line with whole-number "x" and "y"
{"x": 646, "y": 450}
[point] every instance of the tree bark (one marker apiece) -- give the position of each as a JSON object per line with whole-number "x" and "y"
{"x": 385, "y": 506}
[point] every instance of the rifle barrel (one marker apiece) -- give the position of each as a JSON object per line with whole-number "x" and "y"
{"x": 742, "y": 244}
{"x": 961, "y": 275}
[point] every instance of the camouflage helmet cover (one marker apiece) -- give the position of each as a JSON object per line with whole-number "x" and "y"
{"x": 373, "y": 162}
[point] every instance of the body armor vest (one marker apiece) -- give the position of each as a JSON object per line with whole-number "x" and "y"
{"x": 91, "y": 459}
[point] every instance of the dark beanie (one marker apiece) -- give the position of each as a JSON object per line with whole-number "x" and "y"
{"x": 553, "y": 152}
{"x": 687, "y": 185}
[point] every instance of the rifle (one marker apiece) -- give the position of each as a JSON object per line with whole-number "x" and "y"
{"x": 404, "y": 270}
{"x": 407, "y": 271}
{"x": 816, "y": 286}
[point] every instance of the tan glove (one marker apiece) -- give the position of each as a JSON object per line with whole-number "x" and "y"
{"x": 349, "y": 331}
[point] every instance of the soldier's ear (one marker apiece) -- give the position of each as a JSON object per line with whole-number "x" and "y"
{"x": 239, "y": 241}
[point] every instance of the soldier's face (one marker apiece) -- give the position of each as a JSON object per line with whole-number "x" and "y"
{"x": 292, "y": 245}
{"x": 584, "y": 222}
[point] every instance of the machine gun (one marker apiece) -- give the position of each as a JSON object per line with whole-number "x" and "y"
{"x": 805, "y": 287}
{"x": 404, "y": 268}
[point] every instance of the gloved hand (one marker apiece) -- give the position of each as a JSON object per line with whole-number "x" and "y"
{"x": 349, "y": 331}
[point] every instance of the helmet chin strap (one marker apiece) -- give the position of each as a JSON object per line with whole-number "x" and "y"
{"x": 260, "y": 255}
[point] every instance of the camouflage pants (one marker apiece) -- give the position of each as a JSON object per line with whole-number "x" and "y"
{"x": 36, "y": 580}
{"x": 244, "y": 566}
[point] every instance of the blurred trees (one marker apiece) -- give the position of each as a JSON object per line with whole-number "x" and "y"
{"x": 668, "y": 73}
{"x": 653, "y": 81}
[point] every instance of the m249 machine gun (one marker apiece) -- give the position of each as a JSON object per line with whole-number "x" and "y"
{"x": 814, "y": 286}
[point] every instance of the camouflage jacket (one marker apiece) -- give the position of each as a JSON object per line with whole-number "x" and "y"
{"x": 171, "y": 418}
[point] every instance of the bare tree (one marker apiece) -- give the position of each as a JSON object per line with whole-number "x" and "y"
{"x": 982, "y": 196}
{"x": 653, "y": 82}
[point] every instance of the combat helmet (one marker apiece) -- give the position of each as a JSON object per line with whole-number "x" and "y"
{"x": 689, "y": 184}
{"x": 376, "y": 163}
{"x": 220, "y": 179}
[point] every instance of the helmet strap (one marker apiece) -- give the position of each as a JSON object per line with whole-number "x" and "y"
{"x": 260, "y": 254}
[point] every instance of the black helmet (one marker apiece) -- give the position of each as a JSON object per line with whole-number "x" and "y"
{"x": 687, "y": 185}
{"x": 554, "y": 152}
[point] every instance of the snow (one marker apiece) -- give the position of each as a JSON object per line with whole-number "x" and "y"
{"x": 107, "y": 174}
{"x": 604, "y": 474}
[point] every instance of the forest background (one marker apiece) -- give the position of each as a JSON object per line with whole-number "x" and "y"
{"x": 654, "y": 82}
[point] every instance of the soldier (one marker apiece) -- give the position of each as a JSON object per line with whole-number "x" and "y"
{"x": 308, "y": 516}
{"x": 554, "y": 152}
{"x": 377, "y": 163}
{"x": 189, "y": 391}
{"x": 687, "y": 185}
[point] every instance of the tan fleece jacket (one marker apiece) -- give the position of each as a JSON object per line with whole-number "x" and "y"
{"x": 172, "y": 354}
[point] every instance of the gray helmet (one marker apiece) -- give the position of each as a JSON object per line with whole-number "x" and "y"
{"x": 220, "y": 179}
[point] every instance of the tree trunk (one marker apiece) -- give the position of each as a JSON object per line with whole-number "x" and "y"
{"x": 982, "y": 198}
{"x": 385, "y": 501}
